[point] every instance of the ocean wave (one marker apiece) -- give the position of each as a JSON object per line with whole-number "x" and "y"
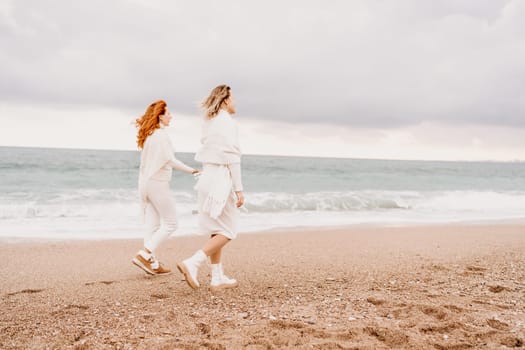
{"x": 323, "y": 201}
{"x": 84, "y": 202}
{"x": 100, "y": 212}
{"x": 105, "y": 205}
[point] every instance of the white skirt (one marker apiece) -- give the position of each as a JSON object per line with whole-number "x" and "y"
{"x": 225, "y": 224}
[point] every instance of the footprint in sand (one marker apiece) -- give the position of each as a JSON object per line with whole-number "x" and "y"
{"x": 434, "y": 312}
{"x": 258, "y": 344}
{"x": 26, "y": 291}
{"x": 454, "y": 308}
{"x": 391, "y": 337}
{"x": 101, "y": 282}
{"x": 497, "y": 289}
{"x": 441, "y": 328}
{"x": 375, "y": 301}
{"x": 68, "y": 309}
{"x": 160, "y": 296}
{"x": 474, "y": 268}
{"x": 512, "y": 342}
{"x": 497, "y": 324}
{"x": 436, "y": 267}
{"x": 454, "y": 346}
{"x": 204, "y": 328}
{"x": 328, "y": 346}
{"x": 279, "y": 324}
{"x": 74, "y": 306}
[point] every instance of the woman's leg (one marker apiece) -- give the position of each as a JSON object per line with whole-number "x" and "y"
{"x": 144, "y": 258}
{"x": 152, "y": 222}
{"x": 161, "y": 206}
{"x": 226, "y": 224}
{"x": 213, "y": 248}
{"x": 190, "y": 267}
{"x": 160, "y": 197}
{"x": 215, "y": 258}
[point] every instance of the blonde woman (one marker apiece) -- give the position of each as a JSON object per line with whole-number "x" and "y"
{"x": 219, "y": 188}
{"x": 157, "y": 160}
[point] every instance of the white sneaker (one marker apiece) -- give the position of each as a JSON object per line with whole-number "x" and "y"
{"x": 151, "y": 266}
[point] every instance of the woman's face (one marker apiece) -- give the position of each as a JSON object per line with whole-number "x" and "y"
{"x": 229, "y": 104}
{"x": 165, "y": 118}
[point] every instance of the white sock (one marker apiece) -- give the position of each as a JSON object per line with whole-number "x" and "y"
{"x": 155, "y": 263}
{"x": 216, "y": 270}
{"x": 145, "y": 255}
{"x": 216, "y": 274}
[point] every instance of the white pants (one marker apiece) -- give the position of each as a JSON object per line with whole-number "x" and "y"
{"x": 161, "y": 205}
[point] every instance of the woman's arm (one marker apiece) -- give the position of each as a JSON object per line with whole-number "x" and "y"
{"x": 235, "y": 171}
{"x": 177, "y": 164}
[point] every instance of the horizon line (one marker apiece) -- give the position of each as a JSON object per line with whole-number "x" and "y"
{"x": 288, "y": 156}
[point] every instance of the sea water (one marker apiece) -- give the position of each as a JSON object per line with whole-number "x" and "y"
{"x": 92, "y": 194}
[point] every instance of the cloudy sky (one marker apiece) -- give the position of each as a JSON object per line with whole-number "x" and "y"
{"x": 400, "y": 79}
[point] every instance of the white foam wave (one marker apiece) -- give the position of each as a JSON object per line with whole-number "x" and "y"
{"x": 116, "y": 214}
{"x": 324, "y": 201}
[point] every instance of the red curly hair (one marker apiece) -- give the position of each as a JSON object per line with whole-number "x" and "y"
{"x": 149, "y": 121}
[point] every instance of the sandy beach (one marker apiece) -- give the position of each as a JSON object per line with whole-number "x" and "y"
{"x": 434, "y": 287}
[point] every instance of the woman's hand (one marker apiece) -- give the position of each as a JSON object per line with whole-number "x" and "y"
{"x": 240, "y": 198}
{"x": 196, "y": 172}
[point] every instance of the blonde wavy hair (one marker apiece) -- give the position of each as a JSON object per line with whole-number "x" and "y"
{"x": 213, "y": 103}
{"x": 150, "y": 121}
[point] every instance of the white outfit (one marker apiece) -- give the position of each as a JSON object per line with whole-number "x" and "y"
{"x": 221, "y": 176}
{"x": 156, "y": 163}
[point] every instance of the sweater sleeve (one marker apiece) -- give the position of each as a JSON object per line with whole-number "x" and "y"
{"x": 177, "y": 164}
{"x": 235, "y": 171}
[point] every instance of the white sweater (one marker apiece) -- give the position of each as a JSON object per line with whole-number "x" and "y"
{"x": 221, "y": 155}
{"x": 220, "y": 146}
{"x": 157, "y": 160}
{"x": 220, "y": 141}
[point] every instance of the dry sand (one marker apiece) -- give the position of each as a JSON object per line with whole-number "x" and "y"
{"x": 437, "y": 287}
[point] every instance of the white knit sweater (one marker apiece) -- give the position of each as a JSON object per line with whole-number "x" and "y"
{"x": 221, "y": 155}
{"x": 220, "y": 141}
{"x": 157, "y": 159}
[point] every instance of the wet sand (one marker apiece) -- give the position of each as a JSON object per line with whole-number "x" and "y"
{"x": 434, "y": 287}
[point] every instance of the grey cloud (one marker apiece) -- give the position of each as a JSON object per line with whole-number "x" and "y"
{"x": 366, "y": 63}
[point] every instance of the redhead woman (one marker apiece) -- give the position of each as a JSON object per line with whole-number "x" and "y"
{"x": 219, "y": 188}
{"x": 157, "y": 159}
